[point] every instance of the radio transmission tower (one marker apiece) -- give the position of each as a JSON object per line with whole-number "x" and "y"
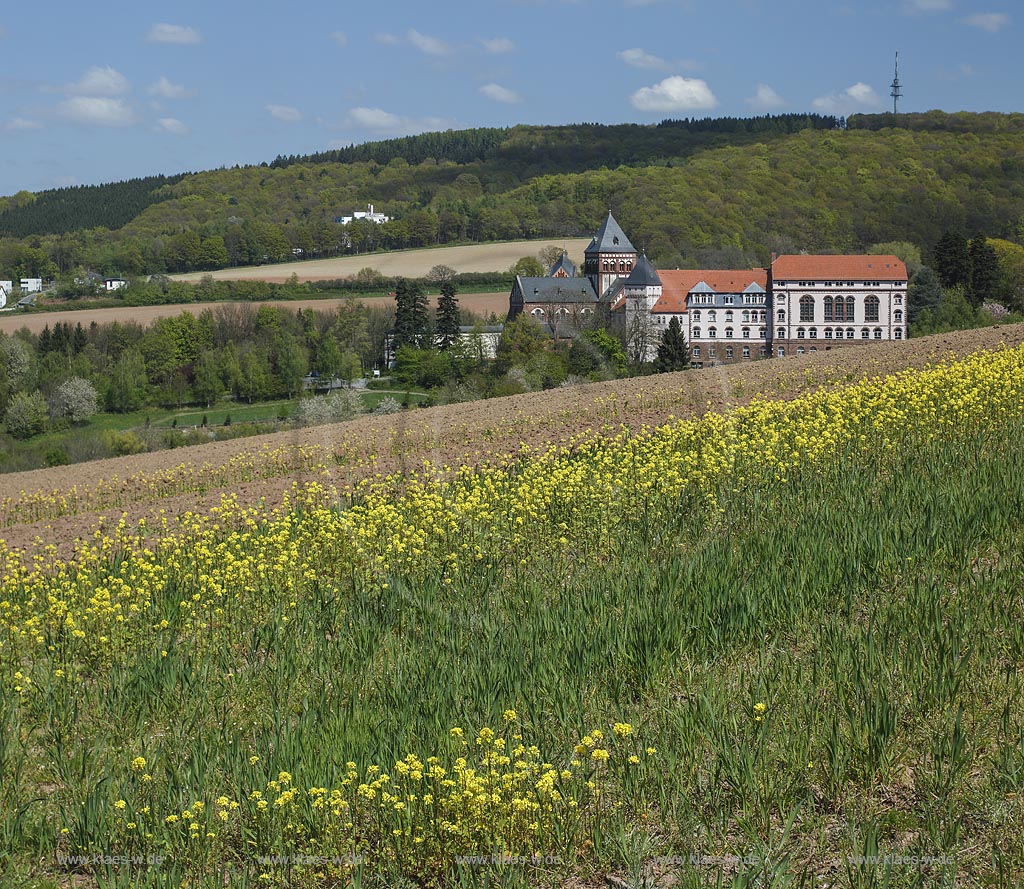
{"x": 897, "y": 90}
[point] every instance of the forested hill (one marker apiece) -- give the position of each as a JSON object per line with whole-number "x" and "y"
{"x": 62, "y": 210}
{"x": 700, "y": 193}
{"x": 572, "y": 148}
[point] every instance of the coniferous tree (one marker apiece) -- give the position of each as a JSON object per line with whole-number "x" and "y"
{"x": 952, "y": 260}
{"x": 923, "y": 294}
{"x": 673, "y": 352}
{"x": 410, "y": 314}
{"x": 447, "y": 316}
{"x": 984, "y": 271}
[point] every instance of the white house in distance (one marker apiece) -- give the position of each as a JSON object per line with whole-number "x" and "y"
{"x": 369, "y": 216}
{"x": 31, "y": 285}
{"x": 6, "y": 289}
{"x": 111, "y": 284}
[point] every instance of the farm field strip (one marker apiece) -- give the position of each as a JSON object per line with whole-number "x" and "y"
{"x": 691, "y": 590}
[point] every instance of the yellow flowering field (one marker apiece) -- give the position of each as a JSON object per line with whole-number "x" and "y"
{"x": 777, "y": 640}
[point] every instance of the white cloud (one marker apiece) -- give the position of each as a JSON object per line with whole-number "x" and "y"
{"x": 852, "y": 99}
{"x": 171, "y": 125}
{"x": 765, "y": 99}
{"x": 375, "y": 119}
{"x": 179, "y": 34}
{"x": 101, "y": 82}
{"x": 383, "y": 122}
{"x": 988, "y": 21}
{"x": 167, "y": 90}
{"x": 387, "y": 39}
{"x": 96, "y": 111}
{"x": 675, "y": 94}
{"x": 339, "y": 37}
{"x": 640, "y": 58}
{"x": 284, "y": 112}
{"x": 500, "y": 94}
{"x": 21, "y": 125}
{"x": 427, "y": 44}
{"x": 497, "y": 45}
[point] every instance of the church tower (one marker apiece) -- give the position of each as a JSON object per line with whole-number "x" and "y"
{"x": 609, "y": 256}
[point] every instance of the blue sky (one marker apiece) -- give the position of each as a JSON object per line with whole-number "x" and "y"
{"x": 98, "y": 92}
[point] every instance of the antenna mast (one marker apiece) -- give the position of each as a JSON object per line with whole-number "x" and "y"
{"x": 897, "y": 90}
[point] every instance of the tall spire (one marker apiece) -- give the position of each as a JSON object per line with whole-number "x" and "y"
{"x": 897, "y": 90}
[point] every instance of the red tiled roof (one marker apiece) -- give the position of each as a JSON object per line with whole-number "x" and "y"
{"x": 677, "y": 283}
{"x": 839, "y": 268}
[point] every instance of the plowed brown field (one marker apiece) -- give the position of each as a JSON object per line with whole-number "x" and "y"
{"x": 458, "y": 434}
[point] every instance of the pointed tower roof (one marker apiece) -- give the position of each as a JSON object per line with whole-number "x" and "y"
{"x": 643, "y": 274}
{"x": 610, "y": 238}
{"x": 564, "y": 264}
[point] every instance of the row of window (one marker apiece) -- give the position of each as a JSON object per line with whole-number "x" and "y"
{"x": 802, "y": 333}
{"x": 746, "y": 316}
{"x": 560, "y": 312}
{"x": 625, "y": 265}
{"x": 729, "y": 352}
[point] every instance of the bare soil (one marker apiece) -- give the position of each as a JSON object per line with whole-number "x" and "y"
{"x": 479, "y": 431}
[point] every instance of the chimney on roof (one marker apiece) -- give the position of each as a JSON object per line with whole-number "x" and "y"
{"x": 774, "y": 256}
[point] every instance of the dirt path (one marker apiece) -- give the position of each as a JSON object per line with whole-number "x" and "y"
{"x": 474, "y": 432}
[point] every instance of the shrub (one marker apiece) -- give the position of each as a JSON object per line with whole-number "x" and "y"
{"x": 387, "y": 405}
{"x": 342, "y": 405}
{"x": 26, "y": 415}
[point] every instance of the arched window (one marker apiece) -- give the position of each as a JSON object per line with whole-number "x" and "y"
{"x": 711, "y": 352}
{"x": 828, "y": 333}
{"x": 897, "y": 316}
{"x": 780, "y": 315}
{"x": 782, "y": 333}
{"x": 728, "y": 316}
{"x": 849, "y": 308}
{"x": 813, "y": 333}
{"x": 622, "y": 265}
{"x": 696, "y": 333}
{"x": 878, "y": 333}
{"x": 728, "y": 352}
{"x": 696, "y": 314}
{"x": 604, "y": 265}
{"x": 849, "y": 333}
{"x": 898, "y": 333}
{"x": 712, "y": 333}
{"x": 629, "y": 265}
{"x": 828, "y": 309}
{"x": 728, "y": 333}
{"x": 761, "y": 333}
{"x": 537, "y": 313}
{"x": 871, "y": 308}
{"x": 696, "y": 351}
{"x": 746, "y": 351}
{"x": 865, "y": 333}
{"x": 801, "y": 333}
{"x": 782, "y": 352}
{"x": 746, "y": 316}
{"x": 712, "y": 315}
{"x": 746, "y": 333}
{"x": 806, "y": 308}
{"x": 800, "y": 350}
{"x": 763, "y": 351}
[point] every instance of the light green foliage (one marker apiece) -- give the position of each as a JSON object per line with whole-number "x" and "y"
{"x": 26, "y": 415}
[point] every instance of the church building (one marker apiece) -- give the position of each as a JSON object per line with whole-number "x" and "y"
{"x": 798, "y": 304}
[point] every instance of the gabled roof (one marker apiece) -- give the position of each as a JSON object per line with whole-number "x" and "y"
{"x": 556, "y": 290}
{"x": 610, "y": 238}
{"x": 677, "y": 283}
{"x": 565, "y": 264}
{"x": 839, "y": 268}
{"x": 643, "y": 274}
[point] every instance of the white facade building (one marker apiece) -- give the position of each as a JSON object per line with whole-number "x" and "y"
{"x": 369, "y": 216}
{"x": 819, "y": 302}
{"x": 31, "y": 285}
{"x": 6, "y": 289}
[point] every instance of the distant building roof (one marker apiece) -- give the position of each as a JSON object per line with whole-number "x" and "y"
{"x": 556, "y": 290}
{"x": 839, "y": 268}
{"x": 564, "y": 264}
{"x": 610, "y": 238}
{"x": 677, "y": 283}
{"x": 643, "y": 274}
